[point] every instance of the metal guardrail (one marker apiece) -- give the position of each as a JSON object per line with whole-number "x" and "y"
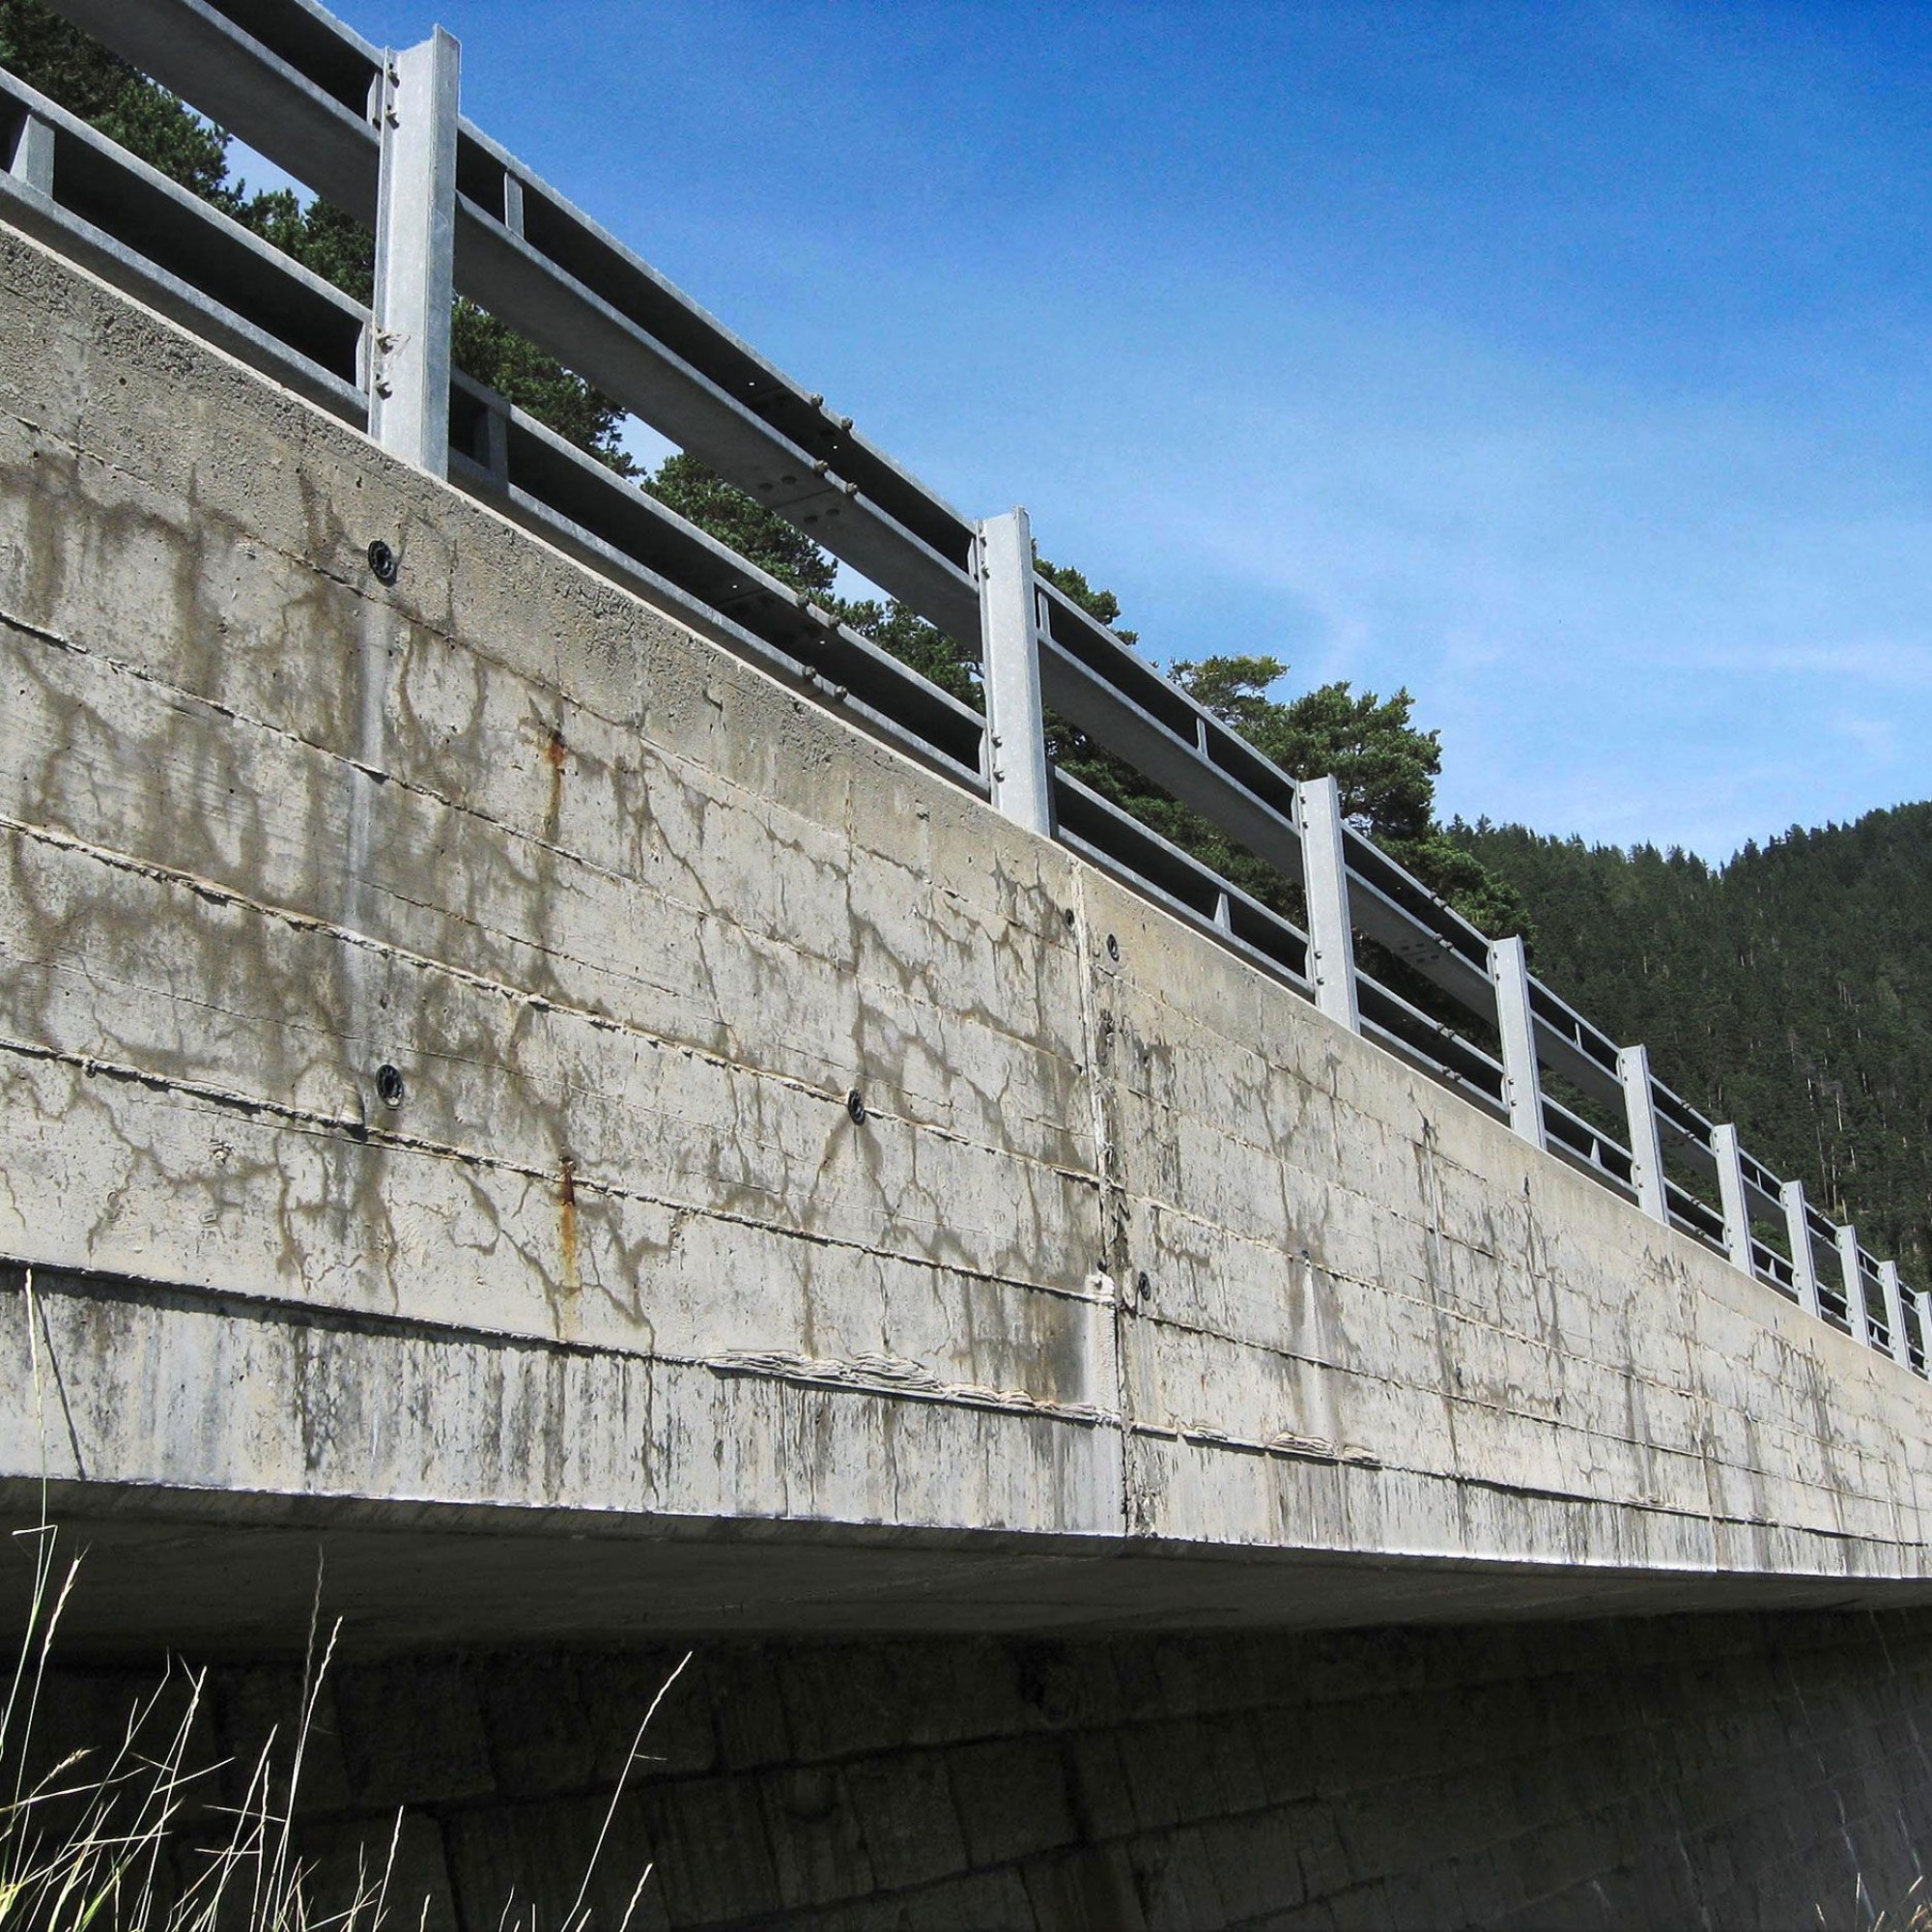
{"x": 378, "y": 132}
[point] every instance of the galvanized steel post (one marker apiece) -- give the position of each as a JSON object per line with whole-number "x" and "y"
{"x": 1646, "y": 1149}
{"x": 31, "y": 161}
{"x": 1803, "y": 1257}
{"x": 1893, "y": 1291}
{"x": 1515, "y": 1025}
{"x": 1324, "y": 863}
{"x": 1010, "y": 622}
{"x": 1727, "y": 1151}
{"x": 1846, "y": 1240}
{"x": 416, "y": 254}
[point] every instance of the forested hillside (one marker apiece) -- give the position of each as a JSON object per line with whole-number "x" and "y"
{"x": 1790, "y": 990}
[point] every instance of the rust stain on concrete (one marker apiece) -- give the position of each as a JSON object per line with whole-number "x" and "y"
{"x": 566, "y": 1216}
{"x": 556, "y": 754}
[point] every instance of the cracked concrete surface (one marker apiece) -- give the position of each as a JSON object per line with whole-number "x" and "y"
{"x": 630, "y": 921}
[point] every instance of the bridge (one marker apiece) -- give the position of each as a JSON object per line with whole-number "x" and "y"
{"x": 537, "y": 1064}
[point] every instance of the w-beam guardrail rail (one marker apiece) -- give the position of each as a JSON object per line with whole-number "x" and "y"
{"x": 378, "y": 132}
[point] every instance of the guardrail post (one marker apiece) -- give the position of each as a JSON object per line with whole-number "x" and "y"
{"x": 1922, "y": 1301}
{"x": 1515, "y": 1025}
{"x": 1010, "y": 637}
{"x": 1846, "y": 1240}
{"x": 1893, "y": 1291}
{"x": 415, "y": 249}
{"x": 1803, "y": 1257}
{"x": 1727, "y": 1149}
{"x": 1324, "y": 864}
{"x": 31, "y": 163}
{"x": 1646, "y": 1149}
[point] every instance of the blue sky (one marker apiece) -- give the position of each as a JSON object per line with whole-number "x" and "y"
{"x": 1567, "y": 364}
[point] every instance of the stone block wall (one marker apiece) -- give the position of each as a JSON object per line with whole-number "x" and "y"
{"x": 1720, "y": 1771}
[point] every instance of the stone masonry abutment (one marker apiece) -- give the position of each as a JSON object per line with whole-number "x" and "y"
{"x": 1713, "y": 1771}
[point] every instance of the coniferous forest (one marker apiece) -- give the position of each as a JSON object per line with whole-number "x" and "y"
{"x": 1789, "y": 990}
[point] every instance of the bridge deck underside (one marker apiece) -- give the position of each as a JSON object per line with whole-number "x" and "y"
{"x": 414, "y": 1580}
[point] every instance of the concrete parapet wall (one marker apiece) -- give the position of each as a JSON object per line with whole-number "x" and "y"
{"x": 1131, "y": 1250}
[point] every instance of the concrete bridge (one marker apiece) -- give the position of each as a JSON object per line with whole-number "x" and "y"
{"x": 578, "y": 1092}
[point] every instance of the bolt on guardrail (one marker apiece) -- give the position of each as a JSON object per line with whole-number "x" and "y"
{"x": 380, "y": 134}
